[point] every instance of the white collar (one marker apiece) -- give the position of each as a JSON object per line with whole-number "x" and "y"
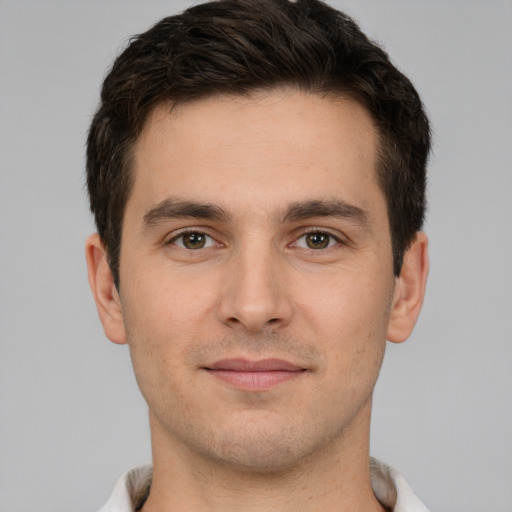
{"x": 389, "y": 487}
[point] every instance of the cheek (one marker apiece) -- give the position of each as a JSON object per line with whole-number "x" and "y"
{"x": 156, "y": 349}
{"x": 351, "y": 317}
{"x": 165, "y": 303}
{"x": 164, "y": 316}
{"x": 350, "y": 302}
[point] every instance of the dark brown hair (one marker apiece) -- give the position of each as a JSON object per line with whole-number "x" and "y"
{"x": 239, "y": 46}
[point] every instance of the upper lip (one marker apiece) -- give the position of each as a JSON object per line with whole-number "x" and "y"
{"x": 245, "y": 365}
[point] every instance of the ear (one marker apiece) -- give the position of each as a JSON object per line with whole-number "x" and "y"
{"x": 409, "y": 290}
{"x": 104, "y": 291}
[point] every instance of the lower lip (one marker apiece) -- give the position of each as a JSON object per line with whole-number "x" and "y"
{"x": 255, "y": 381}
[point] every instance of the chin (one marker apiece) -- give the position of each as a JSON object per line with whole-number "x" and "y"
{"x": 261, "y": 449}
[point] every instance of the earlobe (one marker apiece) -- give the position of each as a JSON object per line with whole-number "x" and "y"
{"x": 409, "y": 290}
{"x": 104, "y": 291}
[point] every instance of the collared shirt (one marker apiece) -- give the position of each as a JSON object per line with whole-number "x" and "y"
{"x": 389, "y": 487}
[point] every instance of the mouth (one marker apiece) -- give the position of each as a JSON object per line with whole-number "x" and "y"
{"x": 254, "y": 375}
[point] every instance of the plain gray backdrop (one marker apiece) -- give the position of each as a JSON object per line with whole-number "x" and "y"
{"x": 72, "y": 419}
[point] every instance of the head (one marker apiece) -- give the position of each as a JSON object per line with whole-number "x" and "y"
{"x": 305, "y": 45}
{"x": 257, "y": 176}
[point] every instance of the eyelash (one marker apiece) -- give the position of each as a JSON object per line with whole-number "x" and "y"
{"x": 182, "y": 234}
{"x": 332, "y": 240}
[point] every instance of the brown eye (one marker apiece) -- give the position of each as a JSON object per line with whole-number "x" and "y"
{"x": 317, "y": 240}
{"x": 193, "y": 240}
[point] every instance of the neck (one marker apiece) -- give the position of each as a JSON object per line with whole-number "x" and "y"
{"x": 334, "y": 478}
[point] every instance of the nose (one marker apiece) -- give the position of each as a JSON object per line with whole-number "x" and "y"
{"x": 255, "y": 295}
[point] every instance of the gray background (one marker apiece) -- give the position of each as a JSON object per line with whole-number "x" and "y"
{"x": 71, "y": 417}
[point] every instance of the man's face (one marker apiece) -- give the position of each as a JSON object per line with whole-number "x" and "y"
{"x": 256, "y": 275}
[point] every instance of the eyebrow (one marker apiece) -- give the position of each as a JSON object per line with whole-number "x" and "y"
{"x": 297, "y": 211}
{"x": 174, "y": 208}
{"x": 178, "y": 208}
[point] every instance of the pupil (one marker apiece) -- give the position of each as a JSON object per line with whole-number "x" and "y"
{"x": 317, "y": 240}
{"x": 194, "y": 240}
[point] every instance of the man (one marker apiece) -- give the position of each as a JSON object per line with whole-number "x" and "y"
{"x": 257, "y": 174}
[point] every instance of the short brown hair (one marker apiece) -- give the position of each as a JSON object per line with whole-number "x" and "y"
{"x": 239, "y": 46}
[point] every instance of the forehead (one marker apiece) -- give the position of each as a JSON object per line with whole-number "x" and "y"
{"x": 269, "y": 146}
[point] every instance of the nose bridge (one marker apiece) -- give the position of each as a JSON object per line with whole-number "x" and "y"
{"x": 255, "y": 293}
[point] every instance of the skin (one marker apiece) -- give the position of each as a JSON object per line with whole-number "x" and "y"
{"x": 272, "y": 168}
